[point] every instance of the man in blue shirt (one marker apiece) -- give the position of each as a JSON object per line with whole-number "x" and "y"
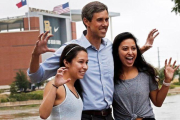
{"x": 97, "y": 84}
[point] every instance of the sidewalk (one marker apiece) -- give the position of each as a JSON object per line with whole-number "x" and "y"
{"x": 19, "y": 103}
{"x": 4, "y": 87}
{"x": 174, "y": 91}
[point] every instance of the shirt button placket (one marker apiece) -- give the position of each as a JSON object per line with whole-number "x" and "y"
{"x": 102, "y": 76}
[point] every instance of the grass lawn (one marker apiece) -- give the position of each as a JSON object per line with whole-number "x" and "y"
{"x": 34, "y": 95}
{"x": 19, "y": 107}
{"x": 37, "y": 92}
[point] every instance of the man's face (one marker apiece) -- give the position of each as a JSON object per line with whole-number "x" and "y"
{"x": 99, "y": 24}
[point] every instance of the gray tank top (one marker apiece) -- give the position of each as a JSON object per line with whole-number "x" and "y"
{"x": 69, "y": 109}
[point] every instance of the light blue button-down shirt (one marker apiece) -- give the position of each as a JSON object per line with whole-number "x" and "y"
{"x": 97, "y": 84}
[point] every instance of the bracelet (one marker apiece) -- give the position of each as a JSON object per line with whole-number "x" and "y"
{"x": 166, "y": 84}
{"x": 55, "y": 86}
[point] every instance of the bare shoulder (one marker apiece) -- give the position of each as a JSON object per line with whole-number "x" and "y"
{"x": 49, "y": 84}
{"x": 61, "y": 92}
{"x": 60, "y": 95}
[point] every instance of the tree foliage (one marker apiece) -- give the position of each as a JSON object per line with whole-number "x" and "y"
{"x": 13, "y": 88}
{"x": 176, "y": 7}
{"x": 40, "y": 84}
{"x": 179, "y": 75}
{"x": 161, "y": 75}
{"x": 21, "y": 81}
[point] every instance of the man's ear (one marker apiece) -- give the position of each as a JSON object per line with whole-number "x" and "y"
{"x": 66, "y": 63}
{"x": 86, "y": 22}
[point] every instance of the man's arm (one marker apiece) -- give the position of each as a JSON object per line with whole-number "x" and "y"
{"x": 150, "y": 39}
{"x": 40, "y": 48}
{"x": 38, "y": 72}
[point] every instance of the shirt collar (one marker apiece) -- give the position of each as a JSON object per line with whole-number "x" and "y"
{"x": 85, "y": 43}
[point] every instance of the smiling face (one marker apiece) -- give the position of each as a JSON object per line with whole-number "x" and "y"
{"x": 127, "y": 52}
{"x": 98, "y": 26}
{"x": 78, "y": 65}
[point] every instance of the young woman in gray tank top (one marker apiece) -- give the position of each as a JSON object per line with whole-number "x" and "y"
{"x": 135, "y": 80}
{"x": 61, "y": 100}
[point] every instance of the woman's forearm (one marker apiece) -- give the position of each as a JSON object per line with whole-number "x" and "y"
{"x": 161, "y": 95}
{"x": 47, "y": 104}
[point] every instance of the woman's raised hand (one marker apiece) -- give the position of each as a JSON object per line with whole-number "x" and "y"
{"x": 59, "y": 80}
{"x": 169, "y": 70}
{"x": 150, "y": 39}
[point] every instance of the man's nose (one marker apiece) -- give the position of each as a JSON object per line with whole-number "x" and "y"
{"x": 105, "y": 23}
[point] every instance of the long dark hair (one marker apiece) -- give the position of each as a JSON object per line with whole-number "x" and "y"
{"x": 139, "y": 63}
{"x": 68, "y": 54}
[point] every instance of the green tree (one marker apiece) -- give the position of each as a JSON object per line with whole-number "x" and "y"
{"x": 179, "y": 75}
{"x": 13, "y": 88}
{"x": 161, "y": 75}
{"x": 176, "y": 7}
{"x": 21, "y": 81}
{"x": 40, "y": 84}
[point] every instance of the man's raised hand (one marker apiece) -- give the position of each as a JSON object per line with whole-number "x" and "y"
{"x": 41, "y": 44}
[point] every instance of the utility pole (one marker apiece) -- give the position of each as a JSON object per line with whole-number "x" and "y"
{"x": 177, "y": 59}
{"x": 158, "y": 58}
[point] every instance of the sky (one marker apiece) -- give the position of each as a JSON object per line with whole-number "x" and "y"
{"x": 136, "y": 16}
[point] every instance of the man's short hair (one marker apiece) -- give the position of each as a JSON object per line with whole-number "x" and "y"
{"x": 91, "y": 8}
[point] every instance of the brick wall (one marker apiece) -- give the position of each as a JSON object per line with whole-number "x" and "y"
{"x": 15, "y": 51}
{"x": 34, "y": 23}
{"x": 73, "y": 30}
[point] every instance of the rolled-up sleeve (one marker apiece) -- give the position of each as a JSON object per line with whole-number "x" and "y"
{"x": 48, "y": 68}
{"x": 37, "y": 76}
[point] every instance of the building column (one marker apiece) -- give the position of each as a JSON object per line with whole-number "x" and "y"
{"x": 73, "y": 30}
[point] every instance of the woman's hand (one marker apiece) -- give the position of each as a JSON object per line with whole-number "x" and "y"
{"x": 150, "y": 40}
{"x": 59, "y": 80}
{"x": 158, "y": 96}
{"x": 169, "y": 70}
